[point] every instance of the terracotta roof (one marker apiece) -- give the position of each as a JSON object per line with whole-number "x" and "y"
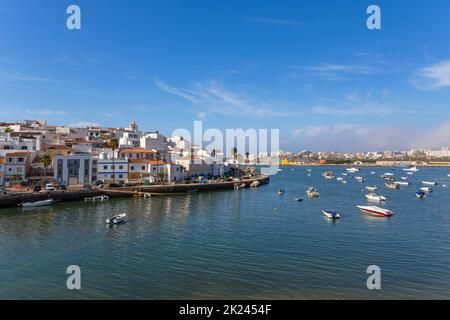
{"x": 2, "y": 160}
{"x": 138, "y": 150}
{"x": 18, "y": 154}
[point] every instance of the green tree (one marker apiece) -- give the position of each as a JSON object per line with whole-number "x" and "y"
{"x": 9, "y": 130}
{"x": 46, "y": 161}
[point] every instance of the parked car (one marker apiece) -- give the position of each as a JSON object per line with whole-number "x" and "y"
{"x": 49, "y": 187}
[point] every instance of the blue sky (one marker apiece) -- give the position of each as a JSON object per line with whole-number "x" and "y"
{"x": 310, "y": 68}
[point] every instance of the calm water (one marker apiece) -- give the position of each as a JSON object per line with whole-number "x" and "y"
{"x": 235, "y": 244}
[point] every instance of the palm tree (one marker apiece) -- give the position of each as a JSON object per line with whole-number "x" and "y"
{"x": 113, "y": 143}
{"x": 46, "y": 160}
{"x": 9, "y": 130}
{"x": 234, "y": 152}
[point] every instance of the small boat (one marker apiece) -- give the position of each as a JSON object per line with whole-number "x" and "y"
{"x": 411, "y": 169}
{"x": 328, "y": 175}
{"x": 392, "y": 185}
{"x": 339, "y": 179}
{"x": 280, "y": 191}
{"x": 372, "y": 188}
{"x": 403, "y": 183}
{"x": 331, "y": 214}
{"x": 353, "y": 170}
{"x": 312, "y": 192}
{"x": 374, "y": 197}
{"x": 372, "y": 172}
{"x": 404, "y": 178}
{"x": 448, "y": 175}
{"x": 40, "y": 203}
{"x": 298, "y": 199}
{"x": 116, "y": 219}
{"x": 359, "y": 179}
{"x": 426, "y": 189}
{"x": 375, "y": 211}
{"x": 444, "y": 186}
{"x": 430, "y": 183}
{"x": 148, "y": 195}
{"x": 410, "y": 173}
{"x": 255, "y": 184}
{"x": 308, "y": 175}
{"x": 387, "y": 174}
{"x": 420, "y": 194}
{"x": 97, "y": 198}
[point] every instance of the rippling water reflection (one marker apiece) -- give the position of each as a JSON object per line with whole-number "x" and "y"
{"x": 246, "y": 244}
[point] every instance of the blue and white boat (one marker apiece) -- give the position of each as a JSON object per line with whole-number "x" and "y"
{"x": 420, "y": 194}
{"x": 331, "y": 214}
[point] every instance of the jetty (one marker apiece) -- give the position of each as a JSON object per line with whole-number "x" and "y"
{"x": 13, "y": 200}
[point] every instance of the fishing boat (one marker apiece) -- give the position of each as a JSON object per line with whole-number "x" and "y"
{"x": 372, "y": 188}
{"x": 426, "y": 189}
{"x": 420, "y": 194}
{"x": 374, "y": 197}
{"x": 255, "y": 184}
{"x": 40, "y": 203}
{"x": 392, "y": 185}
{"x": 403, "y": 183}
{"x": 411, "y": 169}
{"x": 312, "y": 192}
{"x": 331, "y": 214}
{"x": 328, "y": 175}
{"x": 352, "y": 170}
{"x": 375, "y": 211}
{"x": 430, "y": 183}
{"x": 116, "y": 219}
{"x": 359, "y": 179}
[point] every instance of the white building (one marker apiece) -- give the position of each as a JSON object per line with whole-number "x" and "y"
{"x": 73, "y": 169}
{"x": 16, "y": 165}
{"x": 154, "y": 140}
{"x": 112, "y": 170}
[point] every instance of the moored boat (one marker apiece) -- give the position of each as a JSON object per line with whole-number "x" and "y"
{"x": 359, "y": 179}
{"x": 374, "y": 197}
{"x": 116, "y": 219}
{"x": 375, "y": 211}
{"x": 298, "y": 199}
{"x": 420, "y": 194}
{"x": 280, "y": 191}
{"x": 430, "y": 183}
{"x": 392, "y": 185}
{"x": 426, "y": 189}
{"x": 411, "y": 169}
{"x": 328, "y": 175}
{"x": 40, "y": 203}
{"x": 352, "y": 170}
{"x": 331, "y": 214}
{"x": 372, "y": 188}
{"x": 312, "y": 192}
{"x": 403, "y": 183}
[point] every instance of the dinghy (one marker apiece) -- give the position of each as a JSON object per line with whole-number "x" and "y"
{"x": 331, "y": 214}
{"x": 40, "y": 203}
{"x": 116, "y": 219}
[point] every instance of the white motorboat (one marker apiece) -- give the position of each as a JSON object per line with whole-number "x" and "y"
{"x": 426, "y": 189}
{"x": 344, "y": 174}
{"x": 40, "y": 203}
{"x": 352, "y": 170}
{"x": 374, "y": 197}
{"x": 339, "y": 179}
{"x": 328, "y": 175}
{"x": 403, "y": 183}
{"x": 429, "y": 183}
{"x": 148, "y": 195}
{"x": 312, "y": 192}
{"x": 331, "y": 214}
{"x": 372, "y": 172}
{"x": 410, "y": 173}
{"x": 411, "y": 169}
{"x": 116, "y": 219}
{"x": 372, "y": 188}
{"x": 404, "y": 178}
{"x": 359, "y": 179}
{"x": 448, "y": 175}
{"x": 375, "y": 211}
{"x": 392, "y": 185}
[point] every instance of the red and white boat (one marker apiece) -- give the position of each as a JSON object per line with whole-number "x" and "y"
{"x": 376, "y": 211}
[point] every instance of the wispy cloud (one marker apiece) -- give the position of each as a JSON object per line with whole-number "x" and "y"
{"x": 338, "y": 72}
{"x": 432, "y": 77}
{"x": 273, "y": 21}
{"x": 83, "y": 124}
{"x": 6, "y": 75}
{"x": 44, "y": 112}
{"x": 220, "y": 100}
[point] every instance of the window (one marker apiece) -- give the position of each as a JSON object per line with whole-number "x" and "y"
{"x": 105, "y": 167}
{"x": 113, "y": 167}
{"x": 120, "y": 176}
{"x": 120, "y": 167}
{"x": 20, "y": 159}
{"x": 130, "y": 156}
{"x": 143, "y": 167}
{"x": 24, "y": 148}
{"x": 132, "y": 168}
{"x": 19, "y": 170}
